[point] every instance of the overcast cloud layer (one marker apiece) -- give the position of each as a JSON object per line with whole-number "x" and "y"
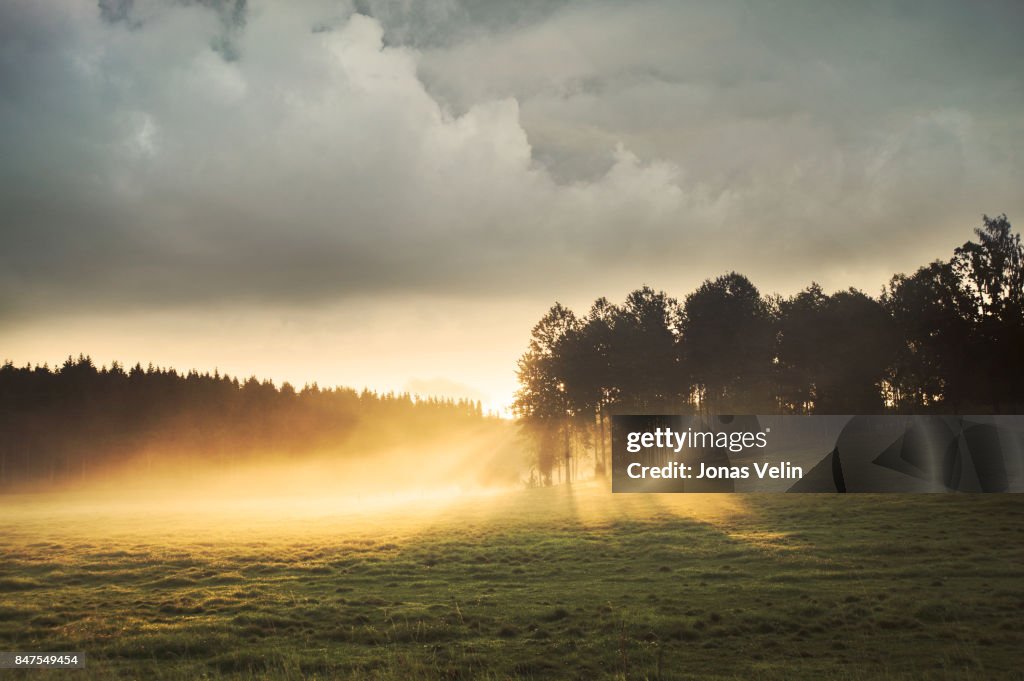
{"x": 183, "y": 154}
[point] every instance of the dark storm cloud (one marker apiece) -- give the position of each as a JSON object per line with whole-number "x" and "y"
{"x": 170, "y": 153}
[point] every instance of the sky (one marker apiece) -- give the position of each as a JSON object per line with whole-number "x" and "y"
{"x": 390, "y": 194}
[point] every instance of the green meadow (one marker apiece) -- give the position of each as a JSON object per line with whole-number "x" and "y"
{"x": 533, "y": 584}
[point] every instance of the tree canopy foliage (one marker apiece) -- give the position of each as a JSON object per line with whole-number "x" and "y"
{"x": 946, "y": 339}
{"x": 65, "y": 424}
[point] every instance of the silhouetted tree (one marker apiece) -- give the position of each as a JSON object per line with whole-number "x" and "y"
{"x": 727, "y": 346}
{"x": 801, "y": 346}
{"x": 589, "y": 375}
{"x": 542, "y": 401}
{"x": 935, "y": 317}
{"x": 993, "y": 273}
{"x": 645, "y": 358}
{"x": 859, "y": 344}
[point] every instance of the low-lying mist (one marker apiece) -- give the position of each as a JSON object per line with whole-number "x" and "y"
{"x": 155, "y": 434}
{"x": 460, "y": 460}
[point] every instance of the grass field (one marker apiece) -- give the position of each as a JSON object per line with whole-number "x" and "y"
{"x": 533, "y": 584}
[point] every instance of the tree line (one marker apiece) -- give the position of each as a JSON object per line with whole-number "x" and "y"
{"x": 78, "y": 420}
{"x": 946, "y": 339}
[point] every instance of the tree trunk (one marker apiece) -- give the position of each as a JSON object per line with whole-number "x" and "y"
{"x": 568, "y": 453}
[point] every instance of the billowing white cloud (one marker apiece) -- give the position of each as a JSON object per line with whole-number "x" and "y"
{"x": 313, "y": 163}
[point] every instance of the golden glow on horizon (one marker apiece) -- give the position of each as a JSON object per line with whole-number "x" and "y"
{"x": 446, "y": 348}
